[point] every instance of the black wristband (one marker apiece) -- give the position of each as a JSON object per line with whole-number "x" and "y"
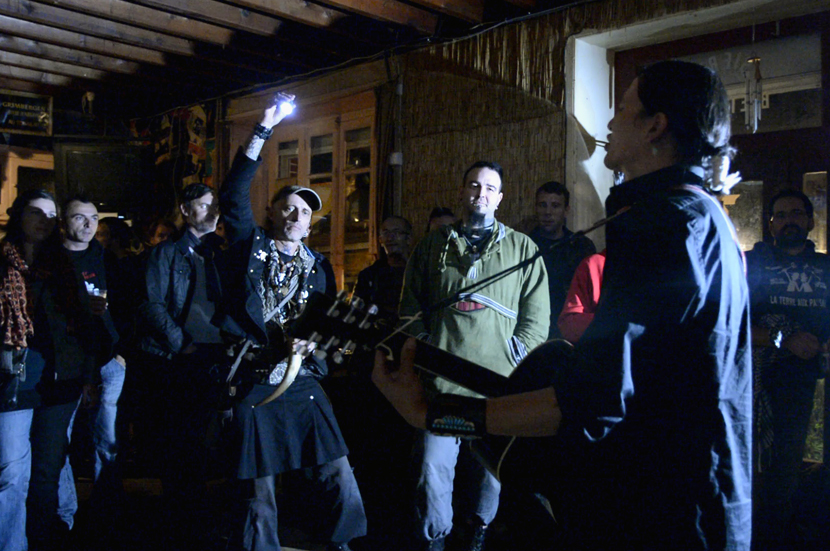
{"x": 461, "y": 416}
{"x": 262, "y": 132}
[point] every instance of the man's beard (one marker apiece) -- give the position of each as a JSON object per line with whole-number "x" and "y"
{"x": 791, "y": 237}
{"x": 206, "y": 225}
{"x": 476, "y": 219}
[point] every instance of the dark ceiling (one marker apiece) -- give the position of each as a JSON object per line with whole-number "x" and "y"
{"x": 142, "y": 57}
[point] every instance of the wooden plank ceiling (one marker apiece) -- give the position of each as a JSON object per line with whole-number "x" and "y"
{"x": 141, "y": 57}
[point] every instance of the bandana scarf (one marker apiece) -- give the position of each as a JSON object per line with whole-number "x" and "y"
{"x": 15, "y": 315}
{"x": 279, "y": 278}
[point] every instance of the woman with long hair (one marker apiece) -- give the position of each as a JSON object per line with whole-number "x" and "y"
{"x": 47, "y": 367}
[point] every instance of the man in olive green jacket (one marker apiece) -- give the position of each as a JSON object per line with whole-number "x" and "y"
{"x": 494, "y": 326}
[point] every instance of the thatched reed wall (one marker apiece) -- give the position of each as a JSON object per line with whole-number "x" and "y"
{"x": 452, "y": 121}
{"x": 499, "y": 96}
{"x": 529, "y": 55}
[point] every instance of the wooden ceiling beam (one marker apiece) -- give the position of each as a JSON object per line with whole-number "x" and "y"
{"x": 60, "y": 37}
{"x": 66, "y": 55}
{"x": 29, "y": 75}
{"x": 294, "y": 10}
{"x": 467, "y": 10}
{"x": 219, "y": 14}
{"x": 67, "y": 59}
{"x": 27, "y": 86}
{"x": 47, "y": 66}
{"x": 141, "y": 16}
{"x": 391, "y": 12}
{"x": 80, "y": 23}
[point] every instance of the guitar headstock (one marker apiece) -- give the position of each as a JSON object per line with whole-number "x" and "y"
{"x": 337, "y": 326}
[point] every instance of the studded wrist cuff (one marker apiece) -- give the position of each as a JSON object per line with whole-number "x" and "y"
{"x": 262, "y": 132}
{"x": 461, "y": 416}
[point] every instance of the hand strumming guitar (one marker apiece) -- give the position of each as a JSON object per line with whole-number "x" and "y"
{"x": 401, "y": 386}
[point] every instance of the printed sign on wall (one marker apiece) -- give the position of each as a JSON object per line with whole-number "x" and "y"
{"x": 24, "y": 113}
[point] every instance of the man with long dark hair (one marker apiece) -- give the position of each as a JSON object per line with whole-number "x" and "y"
{"x": 652, "y": 415}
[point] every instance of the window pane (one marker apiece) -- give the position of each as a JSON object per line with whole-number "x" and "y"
{"x": 357, "y": 208}
{"x": 358, "y": 148}
{"x": 320, "y": 235}
{"x": 288, "y": 159}
{"x": 322, "y": 154}
{"x": 354, "y": 261}
{"x": 745, "y": 206}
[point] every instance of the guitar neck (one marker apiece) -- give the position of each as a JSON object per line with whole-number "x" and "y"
{"x": 443, "y": 364}
{"x": 333, "y": 323}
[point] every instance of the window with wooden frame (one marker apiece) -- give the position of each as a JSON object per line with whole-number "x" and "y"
{"x": 334, "y": 154}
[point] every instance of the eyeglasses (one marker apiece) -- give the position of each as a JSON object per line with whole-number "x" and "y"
{"x": 797, "y": 214}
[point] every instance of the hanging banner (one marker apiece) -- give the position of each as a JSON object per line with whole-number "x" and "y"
{"x": 24, "y": 113}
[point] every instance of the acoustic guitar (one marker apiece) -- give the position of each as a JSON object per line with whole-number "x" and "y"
{"x": 338, "y": 327}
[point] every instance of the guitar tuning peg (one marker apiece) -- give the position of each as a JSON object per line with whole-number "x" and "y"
{"x": 358, "y": 303}
{"x": 338, "y": 358}
{"x": 366, "y": 323}
{"x": 320, "y": 354}
{"x": 333, "y": 311}
{"x": 342, "y": 295}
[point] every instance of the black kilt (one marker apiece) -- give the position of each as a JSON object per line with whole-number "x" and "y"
{"x": 296, "y": 430}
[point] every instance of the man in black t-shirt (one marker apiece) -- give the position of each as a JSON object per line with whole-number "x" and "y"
{"x": 79, "y": 226}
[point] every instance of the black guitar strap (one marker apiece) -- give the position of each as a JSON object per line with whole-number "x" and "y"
{"x": 268, "y": 317}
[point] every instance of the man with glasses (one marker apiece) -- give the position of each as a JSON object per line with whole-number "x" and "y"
{"x": 381, "y": 283}
{"x": 790, "y": 328}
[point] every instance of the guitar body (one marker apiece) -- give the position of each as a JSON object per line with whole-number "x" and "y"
{"x": 527, "y": 461}
{"x": 336, "y": 325}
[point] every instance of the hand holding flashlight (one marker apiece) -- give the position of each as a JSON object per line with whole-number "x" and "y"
{"x": 281, "y": 106}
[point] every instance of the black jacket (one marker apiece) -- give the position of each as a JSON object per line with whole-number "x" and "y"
{"x": 169, "y": 278}
{"x": 658, "y": 416}
{"x": 247, "y": 245}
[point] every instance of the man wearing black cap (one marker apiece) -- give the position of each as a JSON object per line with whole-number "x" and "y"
{"x": 270, "y": 276}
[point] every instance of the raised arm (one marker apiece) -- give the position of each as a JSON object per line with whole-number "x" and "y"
{"x": 235, "y": 195}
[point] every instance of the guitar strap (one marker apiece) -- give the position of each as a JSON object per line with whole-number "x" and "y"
{"x": 248, "y": 342}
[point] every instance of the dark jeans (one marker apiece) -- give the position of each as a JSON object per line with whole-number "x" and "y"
{"x": 180, "y": 402}
{"x": 791, "y": 401}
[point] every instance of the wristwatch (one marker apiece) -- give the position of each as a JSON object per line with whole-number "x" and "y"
{"x": 776, "y": 337}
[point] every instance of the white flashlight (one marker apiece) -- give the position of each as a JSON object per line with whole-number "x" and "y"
{"x": 286, "y": 107}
